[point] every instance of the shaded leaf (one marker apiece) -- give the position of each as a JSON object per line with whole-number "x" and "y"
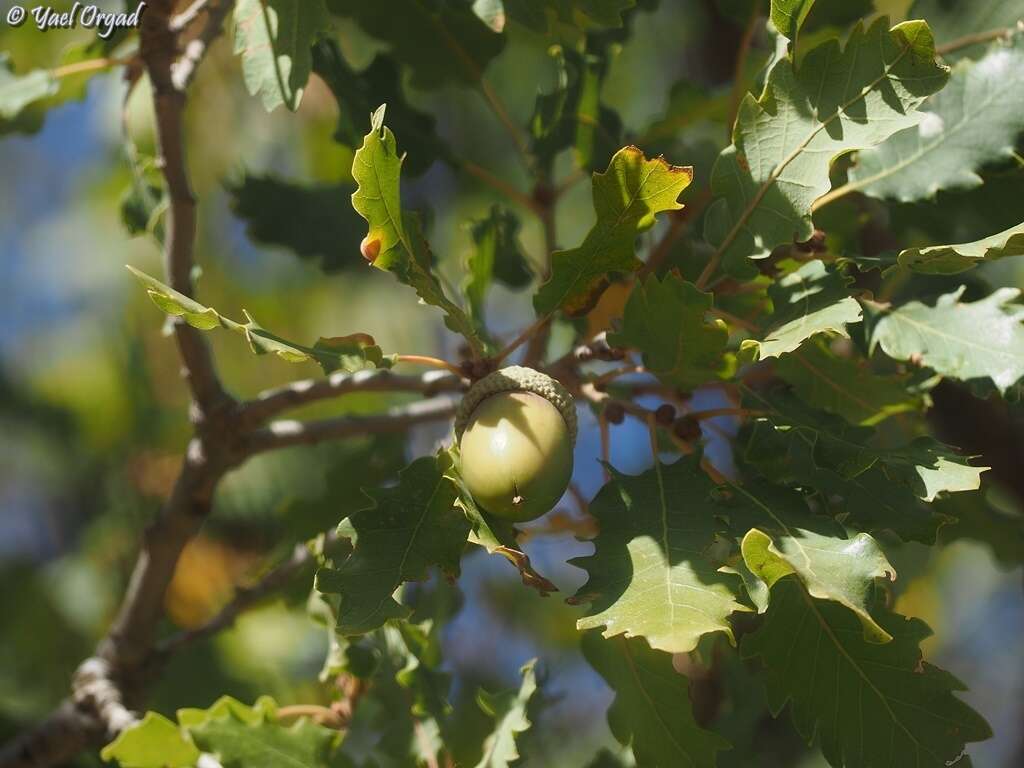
{"x": 626, "y": 198}
{"x": 651, "y": 711}
{"x": 350, "y": 353}
{"x": 842, "y": 689}
{"x": 315, "y": 221}
{"x": 404, "y": 531}
{"x": 496, "y": 255}
{"x": 274, "y": 38}
{"x": 839, "y": 100}
{"x": 543, "y": 15}
{"x": 963, "y": 340}
{"x": 394, "y": 235}
{"x": 649, "y": 575}
{"x": 950, "y": 259}
{"x": 439, "y": 43}
{"x": 811, "y": 300}
{"x": 510, "y": 711}
{"x": 667, "y": 321}
{"x": 845, "y": 386}
{"x": 974, "y": 120}
{"x": 786, "y": 538}
{"x": 358, "y": 94}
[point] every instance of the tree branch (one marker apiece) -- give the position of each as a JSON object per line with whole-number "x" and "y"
{"x": 284, "y": 433}
{"x": 273, "y": 401}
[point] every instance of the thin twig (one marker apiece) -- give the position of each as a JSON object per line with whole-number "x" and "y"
{"x": 92, "y": 65}
{"x": 513, "y": 345}
{"x": 977, "y": 38}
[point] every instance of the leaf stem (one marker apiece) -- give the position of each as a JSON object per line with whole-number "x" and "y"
{"x": 92, "y": 65}
{"x": 433, "y": 362}
{"x": 321, "y": 714}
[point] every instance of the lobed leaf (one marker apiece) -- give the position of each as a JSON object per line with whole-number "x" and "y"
{"x": 783, "y": 142}
{"x": 845, "y": 386}
{"x": 811, "y": 300}
{"x": 865, "y": 703}
{"x": 274, "y": 38}
{"x": 666, "y": 320}
{"x": 973, "y": 121}
{"x": 783, "y": 537}
{"x": 349, "y": 353}
{"x": 405, "y": 530}
{"x": 510, "y": 711}
{"x": 951, "y": 259}
{"x": 651, "y": 711}
{"x": 153, "y": 742}
{"x": 650, "y": 575}
{"x": 626, "y": 198}
{"x": 394, "y": 238}
{"x": 959, "y": 339}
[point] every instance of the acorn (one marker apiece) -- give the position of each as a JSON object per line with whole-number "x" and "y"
{"x": 516, "y": 429}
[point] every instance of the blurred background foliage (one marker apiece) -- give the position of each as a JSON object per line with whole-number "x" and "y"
{"x": 93, "y": 412}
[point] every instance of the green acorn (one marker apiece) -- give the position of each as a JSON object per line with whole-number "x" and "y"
{"x": 516, "y": 429}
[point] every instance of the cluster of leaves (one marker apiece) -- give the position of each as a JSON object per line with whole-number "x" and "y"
{"x": 828, "y": 344}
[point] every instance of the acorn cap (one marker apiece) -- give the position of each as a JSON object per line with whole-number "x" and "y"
{"x": 517, "y": 378}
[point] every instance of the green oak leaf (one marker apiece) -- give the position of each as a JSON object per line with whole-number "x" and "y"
{"x": 959, "y": 339}
{"x": 626, "y": 198}
{"x": 315, "y": 221}
{"x": 811, "y": 300}
{"x": 153, "y": 742}
{"x": 358, "y": 93}
{"x": 240, "y": 736}
{"x": 666, "y": 320}
{"x": 651, "y": 711}
{"x": 274, "y": 38}
{"x": 789, "y": 15}
{"x": 649, "y": 575}
{"x": 572, "y": 114}
{"x": 865, "y": 703}
{"x": 971, "y": 122}
{"x": 510, "y": 712}
{"x": 496, "y": 256}
{"x": 349, "y": 353}
{"x": 784, "y": 537}
{"x": 19, "y": 91}
{"x": 870, "y": 488}
{"x": 783, "y": 142}
{"x": 405, "y": 530}
{"x": 439, "y": 43}
{"x": 950, "y": 259}
{"x": 845, "y": 386}
{"x": 395, "y": 239}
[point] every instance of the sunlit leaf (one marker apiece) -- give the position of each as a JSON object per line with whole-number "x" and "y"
{"x": 626, "y": 198}
{"x": 650, "y": 575}
{"x": 950, "y": 259}
{"x": 959, "y": 339}
{"x": 153, "y": 742}
{"x": 837, "y": 101}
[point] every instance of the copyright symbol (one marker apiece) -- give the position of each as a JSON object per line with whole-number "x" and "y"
{"x": 16, "y": 16}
